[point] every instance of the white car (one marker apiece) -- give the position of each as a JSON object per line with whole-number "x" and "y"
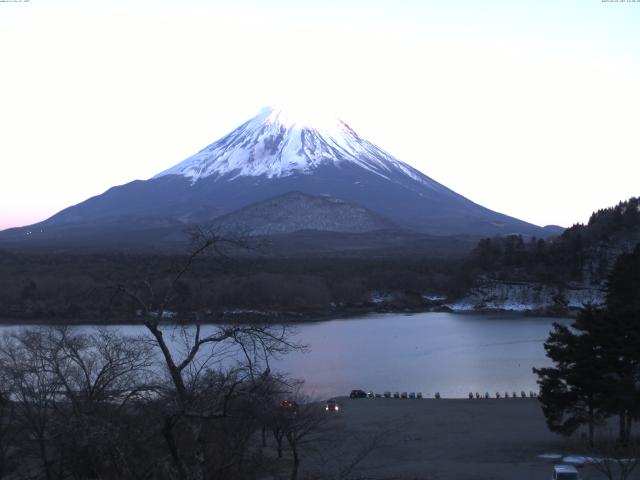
{"x": 565, "y": 472}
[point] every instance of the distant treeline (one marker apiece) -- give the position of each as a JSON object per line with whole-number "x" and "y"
{"x": 81, "y": 286}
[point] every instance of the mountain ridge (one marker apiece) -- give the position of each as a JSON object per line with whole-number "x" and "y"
{"x": 268, "y": 156}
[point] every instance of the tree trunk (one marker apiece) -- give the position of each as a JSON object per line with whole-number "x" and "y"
{"x": 621, "y": 425}
{"x": 60, "y": 466}
{"x": 43, "y": 456}
{"x": 296, "y": 463}
{"x": 279, "y": 439}
{"x": 201, "y": 451}
{"x": 625, "y": 427}
{"x": 591, "y": 425}
{"x": 167, "y": 432}
{"x": 174, "y": 372}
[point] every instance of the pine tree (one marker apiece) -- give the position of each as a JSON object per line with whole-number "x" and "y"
{"x": 621, "y": 340}
{"x": 597, "y": 360}
{"x": 571, "y": 392}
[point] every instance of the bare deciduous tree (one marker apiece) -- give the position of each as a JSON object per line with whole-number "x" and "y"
{"x": 239, "y": 355}
{"x": 33, "y": 391}
{"x": 6, "y": 430}
{"x": 69, "y": 395}
{"x": 184, "y": 401}
{"x": 306, "y": 426}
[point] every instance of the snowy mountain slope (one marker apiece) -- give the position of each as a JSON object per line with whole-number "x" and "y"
{"x": 275, "y": 144}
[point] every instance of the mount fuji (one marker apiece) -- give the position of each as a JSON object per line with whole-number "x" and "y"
{"x": 303, "y": 163}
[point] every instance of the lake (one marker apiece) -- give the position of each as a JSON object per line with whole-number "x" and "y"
{"x": 450, "y": 353}
{"x": 429, "y": 352}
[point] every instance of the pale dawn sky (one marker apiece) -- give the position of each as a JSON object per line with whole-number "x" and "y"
{"x": 528, "y": 107}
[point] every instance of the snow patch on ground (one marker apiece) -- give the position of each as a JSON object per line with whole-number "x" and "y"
{"x": 434, "y": 298}
{"x": 550, "y": 456}
{"x": 577, "y": 460}
{"x": 522, "y": 297}
{"x": 380, "y": 297}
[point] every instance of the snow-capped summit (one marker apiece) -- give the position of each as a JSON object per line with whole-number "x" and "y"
{"x": 279, "y": 142}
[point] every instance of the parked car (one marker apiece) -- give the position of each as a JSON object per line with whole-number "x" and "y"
{"x": 332, "y": 405}
{"x": 565, "y": 472}
{"x": 370, "y": 394}
{"x": 387, "y": 394}
{"x": 289, "y": 406}
{"x": 403, "y": 395}
{"x": 412, "y": 394}
{"x": 378, "y": 395}
{"x": 396, "y": 394}
{"x": 419, "y": 395}
{"x": 358, "y": 394}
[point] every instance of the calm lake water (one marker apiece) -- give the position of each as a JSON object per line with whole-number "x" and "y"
{"x": 429, "y": 352}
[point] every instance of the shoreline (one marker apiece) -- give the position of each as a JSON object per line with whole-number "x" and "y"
{"x": 263, "y": 317}
{"x": 276, "y": 317}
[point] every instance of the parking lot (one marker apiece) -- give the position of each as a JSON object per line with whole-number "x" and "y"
{"x": 457, "y": 439}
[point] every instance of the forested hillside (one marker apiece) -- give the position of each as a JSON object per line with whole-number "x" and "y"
{"x": 81, "y": 287}
{"x": 583, "y": 253}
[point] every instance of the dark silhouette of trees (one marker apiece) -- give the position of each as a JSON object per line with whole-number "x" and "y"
{"x": 6, "y": 432}
{"x": 280, "y": 287}
{"x": 571, "y": 392}
{"x": 203, "y": 393}
{"x": 69, "y": 396}
{"x": 596, "y": 371}
{"x": 583, "y": 253}
{"x": 182, "y": 402}
{"x": 95, "y": 404}
{"x": 621, "y": 340}
{"x": 300, "y": 428}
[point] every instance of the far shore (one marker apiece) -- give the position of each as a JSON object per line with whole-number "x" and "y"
{"x": 272, "y": 317}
